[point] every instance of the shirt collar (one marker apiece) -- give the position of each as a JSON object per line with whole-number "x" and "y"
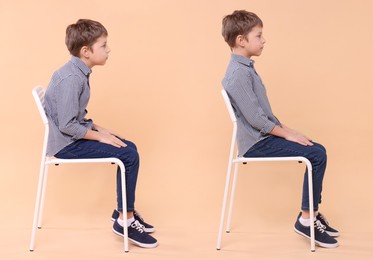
{"x": 81, "y": 65}
{"x": 243, "y": 60}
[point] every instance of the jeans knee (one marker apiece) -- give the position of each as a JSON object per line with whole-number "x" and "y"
{"x": 132, "y": 157}
{"x": 319, "y": 146}
{"x": 321, "y": 156}
{"x": 130, "y": 144}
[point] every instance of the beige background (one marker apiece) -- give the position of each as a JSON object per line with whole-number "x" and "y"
{"x": 161, "y": 89}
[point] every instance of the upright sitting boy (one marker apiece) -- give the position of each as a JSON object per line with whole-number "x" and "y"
{"x": 260, "y": 133}
{"x": 72, "y": 136}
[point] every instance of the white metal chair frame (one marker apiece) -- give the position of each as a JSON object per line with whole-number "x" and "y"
{"x": 237, "y": 160}
{"x": 38, "y": 93}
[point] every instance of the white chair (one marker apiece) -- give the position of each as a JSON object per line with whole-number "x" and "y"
{"x": 38, "y": 93}
{"x": 235, "y": 160}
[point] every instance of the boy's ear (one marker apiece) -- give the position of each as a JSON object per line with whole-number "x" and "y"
{"x": 240, "y": 40}
{"x": 84, "y": 51}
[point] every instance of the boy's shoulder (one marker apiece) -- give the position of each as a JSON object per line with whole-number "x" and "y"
{"x": 66, "y": 73}
{"x": 74, "y": 66}
{"x": 240, "y": 60}
{"x": 239, "y": 66}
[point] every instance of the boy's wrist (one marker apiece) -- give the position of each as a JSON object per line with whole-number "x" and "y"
{"x": 280, "y": 132}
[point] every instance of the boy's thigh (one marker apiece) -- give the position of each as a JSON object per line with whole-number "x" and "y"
{"x": 274, "y": 146}
{"x": 86, "y": 149}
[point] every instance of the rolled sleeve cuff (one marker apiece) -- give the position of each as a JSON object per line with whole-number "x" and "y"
{"x": 80, "y": 133}
{"x": 267, "y": 128}
{"x": 75, "y": 131}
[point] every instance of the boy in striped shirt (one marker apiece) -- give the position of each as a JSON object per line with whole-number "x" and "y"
{"x": 259, "y": 132}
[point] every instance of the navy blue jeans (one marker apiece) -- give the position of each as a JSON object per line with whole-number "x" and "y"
{"x": 274, "y": 146}
{"x": 87, "y": 149}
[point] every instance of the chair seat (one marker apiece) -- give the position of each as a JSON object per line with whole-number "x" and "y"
{"x": 268, "y": 159}
{"x": 54, "y": 160}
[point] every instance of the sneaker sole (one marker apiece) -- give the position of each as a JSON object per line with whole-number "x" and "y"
{"x": 317, "y": 242}
{"x": 332, "y": 234}
{"x": 136, "y": 242}
{"x": 149, "y": 230}
{"x": 142, "y": 244}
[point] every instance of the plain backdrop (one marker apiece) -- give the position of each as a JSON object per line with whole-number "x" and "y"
{"x": 161, "y": 89}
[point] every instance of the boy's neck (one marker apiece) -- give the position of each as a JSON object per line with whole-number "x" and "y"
{"x": 239, "y": 51}
{"x": 86, "y": 62}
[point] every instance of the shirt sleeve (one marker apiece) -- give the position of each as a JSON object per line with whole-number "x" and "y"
{"x": 68, "y": 107}
{"x": 242, "y": 94}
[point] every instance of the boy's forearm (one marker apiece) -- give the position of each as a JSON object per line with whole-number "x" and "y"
{"x": 280, "y": 131}
{"x": 290, "y": 135}
{"x": 92, "y": 135}
{"x": 106, "y": 138}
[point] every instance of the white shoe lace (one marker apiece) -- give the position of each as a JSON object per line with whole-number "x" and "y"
{"x": 136, "y": 225}
{"x": 319, "y": 226}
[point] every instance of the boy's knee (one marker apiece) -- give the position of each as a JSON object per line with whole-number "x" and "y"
{"x": 319, "y": 146}
{"x": 132, "y": 156}
{"x": 130, "y": 144}
{"x": 321, "y": 155}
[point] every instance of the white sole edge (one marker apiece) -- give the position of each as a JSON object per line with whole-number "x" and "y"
{"x": 317, "y": 242}
{"x": 135, "y": 242}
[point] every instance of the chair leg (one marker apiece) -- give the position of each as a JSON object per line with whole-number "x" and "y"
{"x": 233, "y": 191}
{"x": 224, "y": 206}
{"x": 43, "y": 194}
{"x": 124, "y": 202}
{"x": 310, "y": 199}
{"x": 37, "y": 207}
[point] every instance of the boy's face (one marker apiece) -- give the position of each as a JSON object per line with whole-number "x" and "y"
{"x": 98, "y": 53}
{"x": 252, "y": 44}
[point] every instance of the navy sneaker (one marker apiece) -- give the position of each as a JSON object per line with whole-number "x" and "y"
{"x": 321, "y": 237}
{"x": 115, "y": 215}
{"x": 136, "y": 234}
{"x": 328, "y": 229}
{"x": 147, "y": 227}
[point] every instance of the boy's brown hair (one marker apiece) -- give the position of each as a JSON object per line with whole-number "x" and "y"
{"x": 240, "y": 22}
{"x": 84, "y": 32}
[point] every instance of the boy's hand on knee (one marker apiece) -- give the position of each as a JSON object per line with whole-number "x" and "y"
{"x": 298, "y": 138}
{"x": 112, "y": 140}
{"x": 105, "y": 131}
{"x": 104, "y": 137}
{"x": 291, "y": 135}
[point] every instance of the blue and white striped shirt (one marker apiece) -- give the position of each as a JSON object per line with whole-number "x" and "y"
{"x": 66, "y": 100}
{"x": 249, "y": 100}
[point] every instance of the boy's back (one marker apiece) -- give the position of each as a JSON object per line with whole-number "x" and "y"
{"x": 66, "y": 99}
{"x": 249, "y": 99}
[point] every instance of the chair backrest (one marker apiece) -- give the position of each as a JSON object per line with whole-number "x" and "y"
{"x": 229, "y": 105}
{"x": 38, "y": 93}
